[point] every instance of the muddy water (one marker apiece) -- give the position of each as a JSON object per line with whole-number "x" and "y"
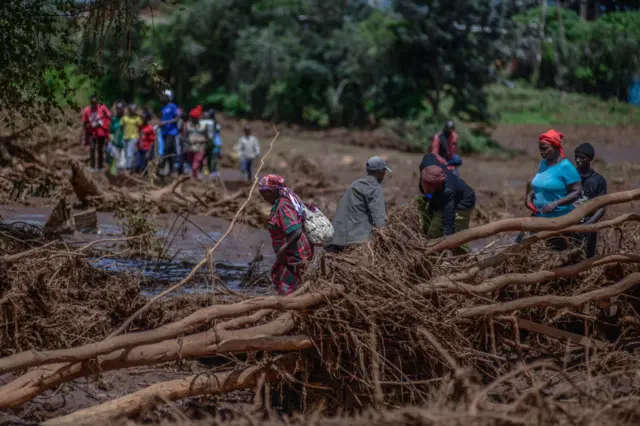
{"x": 187, "y": 239}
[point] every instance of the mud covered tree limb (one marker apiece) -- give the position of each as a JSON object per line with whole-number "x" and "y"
{"x": 534, "y": 224}
{"x": 186, "y": 325}
{"x": 262, "y": 337}
{"x": 201, "y": 384}
{"x": 553, "y": 301}
{"x": 529, "y": 241}
{"x": 502, "y": 281}
{"x": 11, "y": 258}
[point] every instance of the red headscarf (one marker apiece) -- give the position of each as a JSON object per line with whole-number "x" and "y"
{"x": 196, "y": 112}
{"x": 432, "y": 177}
{"x": 553, "y": 138}
{"x": 276, "y": 183}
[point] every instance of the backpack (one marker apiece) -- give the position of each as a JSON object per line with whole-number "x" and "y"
{"x": 317, "y": 226}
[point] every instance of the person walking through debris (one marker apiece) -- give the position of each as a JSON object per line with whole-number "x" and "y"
{"x": 96, "y": 120}
{"x": 248, "y": 151}
{"x": 116, "y": 144}
{"x": 216, "y": 154}
{"x": 361, "y": 208}
{"x": 444, "y": 146}
{"x": 285, "y": 225}
{"x": 197, "y": 134}
{"x": 209, "y": 119}
{"x": 145, "y": 144}
{"x": 170, "y": 133}
{"x": 556, "y": 185}
{"x": 446, "y": 201}
{"x": 593, "y": 185}
{"x": 131, "y": 123}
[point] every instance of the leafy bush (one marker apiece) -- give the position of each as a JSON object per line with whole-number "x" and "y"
{"x": 419, "y": 133}
{"x": 525, "y": 105}
{"x": 232, "y": 103}
{"x": 599, "y": 57}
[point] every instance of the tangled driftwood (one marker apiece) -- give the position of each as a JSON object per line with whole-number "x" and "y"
{"x": 386, "y": 324}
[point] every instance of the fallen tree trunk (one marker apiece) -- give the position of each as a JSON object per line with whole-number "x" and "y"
{"x": 185, "y": 326}
{"x": 534, "y": 224}
{"x": 200, "y": 384}
{"x": 502, "y": 281}
{"x": 263, "y": 337}
{"x": 529, "y": 241}
{"x": 553, "y": 301}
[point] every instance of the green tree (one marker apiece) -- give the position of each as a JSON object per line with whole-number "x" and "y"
{"x": 446, "y": 50}
{"x": 40, "y": 40}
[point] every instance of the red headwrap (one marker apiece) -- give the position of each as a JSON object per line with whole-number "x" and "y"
{"x": 276, "y": 183}
{"x": 553, "y": 138}
{"x": 196, "y": 112}
{"x": 432, "y": 177}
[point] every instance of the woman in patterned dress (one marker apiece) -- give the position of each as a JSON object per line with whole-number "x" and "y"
{"x": 293, "y": 249}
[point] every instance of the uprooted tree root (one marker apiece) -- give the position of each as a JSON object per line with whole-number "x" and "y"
{"x": 54, "y": 299}
{"x": 512, "y": 335}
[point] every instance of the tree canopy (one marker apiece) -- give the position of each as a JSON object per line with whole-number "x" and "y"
{"x": 318, "y": 63}
{"x": 41, "y": 42}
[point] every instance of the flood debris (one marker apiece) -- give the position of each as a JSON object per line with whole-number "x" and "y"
{"x": 60, "y": 220}
{"x": 512, "y": 335}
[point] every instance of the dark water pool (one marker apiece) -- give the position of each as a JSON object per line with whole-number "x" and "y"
{"x": 187, "y": 239}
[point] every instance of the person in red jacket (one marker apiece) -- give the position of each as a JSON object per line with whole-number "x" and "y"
{"x": 444, "y": 146}
{"x": 145, "y": 143}
{"x": 96, "y": 121}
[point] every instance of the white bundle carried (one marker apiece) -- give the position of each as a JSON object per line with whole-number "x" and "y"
{"x": 317, "y": 226}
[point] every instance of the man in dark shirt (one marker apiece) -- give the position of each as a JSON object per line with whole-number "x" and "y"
{"x": 446, "y": 202}
{"x": 593, "y": 185}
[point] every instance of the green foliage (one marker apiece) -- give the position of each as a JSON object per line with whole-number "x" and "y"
{"x": 36, "y": 39}
{"x": 41, "y": 69}
{"x": 526, "y": 105}
{"x": 419, "y": 133}
{"x": 599, "y": 57}
{"x": 232, "y": 103}
{"x": 69, "y": 87}
{"x": 338, "y": 63}
{"x": 135, "y": 222}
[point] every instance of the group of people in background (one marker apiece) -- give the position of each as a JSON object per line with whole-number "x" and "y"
{"x": 445, "y": 202}
{"x": 125, "y": 140}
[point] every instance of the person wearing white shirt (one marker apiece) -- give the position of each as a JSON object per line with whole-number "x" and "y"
{"x": 248, "y": 151}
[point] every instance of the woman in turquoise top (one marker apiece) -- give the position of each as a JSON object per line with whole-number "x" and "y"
{"x": 557, "y": 185}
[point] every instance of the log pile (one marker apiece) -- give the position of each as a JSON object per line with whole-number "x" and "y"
{"x": 499, "y": 336}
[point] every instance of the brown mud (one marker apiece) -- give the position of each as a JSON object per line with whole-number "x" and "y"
{"x": 318, "y": 166}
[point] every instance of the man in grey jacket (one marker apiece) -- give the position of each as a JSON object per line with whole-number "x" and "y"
{"x": 361, "y": 208}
